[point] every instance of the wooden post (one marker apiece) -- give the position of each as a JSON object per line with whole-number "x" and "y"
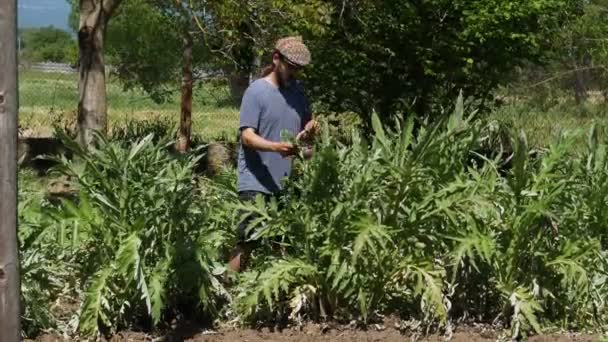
{"x": 10, "y": 314}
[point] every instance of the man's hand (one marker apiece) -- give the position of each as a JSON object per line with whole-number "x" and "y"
{"x": 285, "y": 149}
{"x": 255, "y": 142}
{"x": 312, "y": 126}
{"x": 310, "y": 131}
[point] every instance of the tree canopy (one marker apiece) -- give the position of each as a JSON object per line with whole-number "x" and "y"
{"x": 47, "y": 44}
{"x": 393, "y": 56}
{"x": 145, "y": 45}
{"x": 388, "y": 56}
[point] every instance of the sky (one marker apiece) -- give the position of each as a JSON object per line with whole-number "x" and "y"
{"x": 38, "y": 13}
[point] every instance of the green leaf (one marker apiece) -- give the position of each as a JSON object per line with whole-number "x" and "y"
{"x": 456, "y": 118}
{"x": 379, "y": 130}
{"x": 157, "y": 288}
{"x": 525, "y": 308}
{"x": 127, "y": 258}
{"x": 371, "y": 236}
{"x": 92, "y": 307}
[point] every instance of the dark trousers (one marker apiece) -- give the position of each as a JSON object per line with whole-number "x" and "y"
{"x": 249, "y": 196}
{"x": 244, "y": 247}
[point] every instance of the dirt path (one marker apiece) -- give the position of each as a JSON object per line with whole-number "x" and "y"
{"x": 314, "y": 334}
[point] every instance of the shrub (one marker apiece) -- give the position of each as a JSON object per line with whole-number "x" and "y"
{"x": 143, "y": 239}
{"x": 422, "y": 225}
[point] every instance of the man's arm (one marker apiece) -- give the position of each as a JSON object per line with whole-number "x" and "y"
{"x": 253, "y": 141}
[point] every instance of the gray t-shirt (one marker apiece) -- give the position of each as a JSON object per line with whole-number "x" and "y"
{"x": 269, "y": 110}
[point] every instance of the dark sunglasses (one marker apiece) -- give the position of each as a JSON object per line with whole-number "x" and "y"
{"x": 291, "y": 64}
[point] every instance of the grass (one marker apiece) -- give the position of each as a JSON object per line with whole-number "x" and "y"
{"x": 455, "y": 215}
{"x": 544, "y": 123}
{"x": 48, "y": 98}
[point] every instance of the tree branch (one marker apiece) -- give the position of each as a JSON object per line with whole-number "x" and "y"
{"x": 564, "y": 73}
{"x": 109, "y": 6}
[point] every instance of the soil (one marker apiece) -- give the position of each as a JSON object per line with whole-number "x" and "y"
{"x": 316, "y": 333}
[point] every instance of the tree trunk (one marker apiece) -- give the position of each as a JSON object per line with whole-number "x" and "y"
{"x": 580, "y": 86}
{"x": 239, "y": 75}
{"x": 185, "y": 121}
{"x": 92, "y": 106}
{"x": 580, "y": 91}
{"x": 238, "y": 82}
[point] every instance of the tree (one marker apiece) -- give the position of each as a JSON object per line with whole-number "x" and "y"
{"x": 394, "y": 56}
{"x": 239, "y": 33}
{"x": 575, "y": 62}
{"x": 92, "y": 106}
{"x": 181, "y": 14}
{"x": 582, "y": 48}
{"x": 145, "y": 49}
{"x": 154, "y": 43}
{"x": 151, "y": 42}
{"x": 47, "y": 44}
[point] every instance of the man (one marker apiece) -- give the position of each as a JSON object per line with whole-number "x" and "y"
{"x": 271, "y": 104}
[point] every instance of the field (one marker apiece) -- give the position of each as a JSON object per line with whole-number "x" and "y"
{"x": 544, "y": 121}
{"x": 457, "y": 191}
{"x": 405, "y": 233}
{"x": 47, "y": 98}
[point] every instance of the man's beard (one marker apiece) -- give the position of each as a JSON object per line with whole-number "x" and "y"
{"x": 283, "y": 78}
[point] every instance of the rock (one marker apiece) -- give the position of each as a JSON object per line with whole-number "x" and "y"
{"x": 61, "y": 188}
{"x": 219, "y": 156}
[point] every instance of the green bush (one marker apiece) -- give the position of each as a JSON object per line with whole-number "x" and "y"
{"x": 422, "y": 225}
{"x": 143, "y": 242}
{"x": 43, "y": 274}
{"x": 399, "y": 57}
{"x": 48, "y": 44}
{"x": 134, "y": 130}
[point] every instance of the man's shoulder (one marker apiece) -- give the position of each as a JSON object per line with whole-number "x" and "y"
{"x": 254, "y": 92}
{"x": 257, "y": 85}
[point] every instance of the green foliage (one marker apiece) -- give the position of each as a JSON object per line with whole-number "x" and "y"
{"x": 352, "y": 225}
{"x": 574, "y": 67}
{"x": 142, "y": 238}
{"x": 47, "y": 44}
{"x": 585, "y": 31}
{"x": 146, "y": 43}
{"x": 145, "y": 47}
{"x": 410, "y": 218}
{"x": 41, "y": 277}
{"x": 161, "y": 129}
{"x": 415, "y": 223}
{"x": 422, "y": 225}
{"x": 238, "y": 32}
{"x": 395, "y": 56}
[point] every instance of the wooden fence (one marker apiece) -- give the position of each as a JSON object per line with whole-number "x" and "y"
{"x": 53, "y": 67}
